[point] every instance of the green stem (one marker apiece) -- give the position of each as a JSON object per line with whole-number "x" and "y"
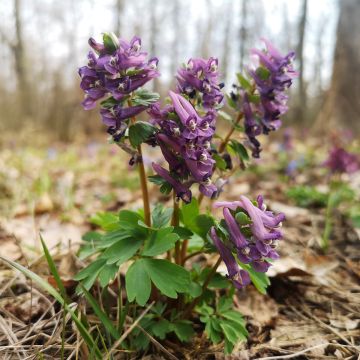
{"x": 143, "y": 181}
{"x": 328, "y": 223}
{"x": 228, "y": 136}
{"x": 175, "y": 222}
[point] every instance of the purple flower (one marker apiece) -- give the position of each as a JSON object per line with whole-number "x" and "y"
{"x": 182, "y": 191}
{"x": 264, "y": 101}
{"x": 199, "y": 79}
{"x": 236, "y": 236}
{"x": 239, "y": 277}
{"x": 264, "y": 229}
{"x": 115, "y": 71}
{"x": 184, "y": 138}
{"x": 341, "y": 161}
{"x": 113, "y": 116}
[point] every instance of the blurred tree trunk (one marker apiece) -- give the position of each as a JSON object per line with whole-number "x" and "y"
{"x": 341, "y": 109}
{"x": 175, "y": 19}
{"x": 206, "y": 32}
{"x": 302, "y": 106}
{"x": 18, "y": 50}
{"x": 154, "y": 28}
{"x": 119, "y": 6}
{"x": 243, "y": 32}
{"x": 227, "y": 41}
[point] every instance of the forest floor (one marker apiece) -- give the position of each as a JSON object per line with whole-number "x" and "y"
{"x": 311, "y": 311}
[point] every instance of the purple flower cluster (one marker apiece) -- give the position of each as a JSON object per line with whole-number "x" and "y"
{"x": 198, "y": 80}
{"x": 115, "y": 69}
{"x": 253, "y": 243}
{"x": 266, "y": 101}
{"x": 341, "y": 161}
{"x": 184, "y": 138}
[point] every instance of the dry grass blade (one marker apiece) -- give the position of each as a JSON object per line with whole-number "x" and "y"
{"x": 128, "y": 331}
{"x": 296, "y": 354}
{"x": 158, "y": 345}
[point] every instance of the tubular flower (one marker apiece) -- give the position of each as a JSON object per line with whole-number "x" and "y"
{"x": 184, "y": 138}
{"x": 255, "y": 242}
{"x": 199, "y": 80}
{"x": 115, "y": 69}
{"x": 341, "y": 161}
{"x": 263, "y": 98}
{"x": 239, "y": 277}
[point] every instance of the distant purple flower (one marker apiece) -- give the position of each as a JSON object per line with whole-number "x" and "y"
{"x": 184, "y": 138}
{"x": 341, "y": 161}
{"x": 265, "y": 100}
{"x": 239, "y": 277}
{"x": 200, "y": 77}
{"x": 264, "y": 229}
{"x": 114, "y": 72}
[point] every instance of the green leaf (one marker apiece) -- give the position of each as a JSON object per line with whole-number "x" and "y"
{"x": 231, "y": 102}
{"x": 144, "y": 97}
{"x": 239, "y": 150}
{"x": 47, "y": 287}
{"x": 107, "y": 274}
{"x": 161, "y": 216}
{"x": 219, "y": 282}
{"x": 140, "y": 132}
{"x": 263, "y": 73}
{"x": 244, "y": 83}
{"x": 259, "y": 279}
{"x": 204, "y": 223}
{"x": 195, "y": 289}
{"x": 122, "y": 251}
{"x": 110, "y": 42}
{"x": 165, "y": 187}
{"x": 129, "y": 220}
{"x": 229, "y": 332}
{"x": 169, "y": 278}
{"x": 235, "y": 319}
{"x": 101, "y": 315}
{"x": 105, "y": 220}
{"x": 160, "y": 241}
{"x": 182, "y": 232}
{"x": 138, "y": 284}
{"x": 224, "y": 304}
{"x": 92, "y": 236}
{"x": 189, "y": 214}
{"x": 161, "y": 328}
{"x": 225, "y": 116}
{"x": 213, "y": 330}
{"x": 113, "y": 237}
{"x": 228, "y": 347}
{"x": 109, "y": 103}
{"x": 53, "y": 269}
{"x": 93, "y": 268}
{"x": 242, "y": 219}
{"x": 220, "y": 162}
{"x": 183, "y": 330}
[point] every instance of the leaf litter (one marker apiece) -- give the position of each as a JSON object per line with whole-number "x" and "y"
{"x": 311, "y": 311}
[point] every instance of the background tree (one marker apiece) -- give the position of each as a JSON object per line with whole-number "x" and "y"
{"x": 341, "y": 109}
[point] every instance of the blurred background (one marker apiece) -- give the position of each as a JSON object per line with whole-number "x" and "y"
{"x": 44, "y": 42}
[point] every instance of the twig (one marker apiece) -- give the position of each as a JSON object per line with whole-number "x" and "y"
{"x": 330, "y": 328}
{"x": 128, "y": 331}
{"x": 157, "y": 344}
{"x": 290, "y": 356}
